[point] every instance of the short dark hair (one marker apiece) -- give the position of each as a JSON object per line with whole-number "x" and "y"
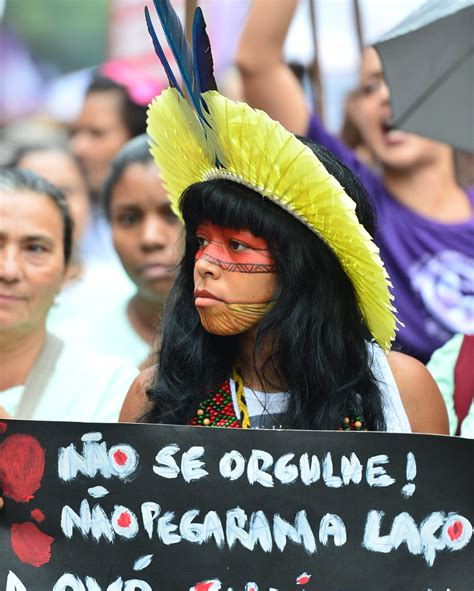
{"x": 25, "y": 150}
{"x": 18, "y": 179}
{"x": 135, "y": 151}
{"x": 133, "y": 115}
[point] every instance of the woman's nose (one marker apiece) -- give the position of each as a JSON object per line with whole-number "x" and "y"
{"x": 154, "y": 235}
{"x": 384, "y": 91}
{"x": 80, "y": 144}
{"x": 207, "y": 267}
{"x": 10, "y": 267}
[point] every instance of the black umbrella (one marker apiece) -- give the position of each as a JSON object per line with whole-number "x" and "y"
{"x": 428, "y": 62}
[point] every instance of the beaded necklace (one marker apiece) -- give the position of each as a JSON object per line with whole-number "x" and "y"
{"x": 217, "y": 410}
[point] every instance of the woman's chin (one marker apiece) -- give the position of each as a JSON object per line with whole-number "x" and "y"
{"x": 217, "y": 319}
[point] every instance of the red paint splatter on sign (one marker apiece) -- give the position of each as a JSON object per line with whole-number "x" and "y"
{"x": 214, "y": 585}
{"x": 120, "y": 457}
{"x": 3, "y": 427}
{"x": 124, "y": 520}
{"x": 455, "y": 530}
{"x": 30, "y": 544}
{"x": 37, "y": 515}
{"x": 21, "y": 466}
{"x": 303, "y": 579}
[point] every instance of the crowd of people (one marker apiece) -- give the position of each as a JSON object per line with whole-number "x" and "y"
{"x": 238, "y": 310}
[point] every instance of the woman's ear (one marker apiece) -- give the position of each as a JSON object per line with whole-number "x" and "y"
{"x": 71, "y": 271}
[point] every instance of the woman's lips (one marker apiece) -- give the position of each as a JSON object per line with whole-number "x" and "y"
{"x": 393, "y": 137}
{"x": 205, "y": 298}
{"x": 7, "y": 298}
{"x": 155, "y": 271}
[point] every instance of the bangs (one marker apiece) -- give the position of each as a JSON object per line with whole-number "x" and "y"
{"x": 232, "y": 205}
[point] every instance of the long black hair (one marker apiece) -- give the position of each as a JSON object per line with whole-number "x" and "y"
{"x": 319, "y": 339}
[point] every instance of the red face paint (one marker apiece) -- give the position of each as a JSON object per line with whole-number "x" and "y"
{"x": 234, "y": 250}
{"x": 234, "y": 279}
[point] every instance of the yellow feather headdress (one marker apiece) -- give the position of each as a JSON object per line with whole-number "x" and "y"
{"x": 255, "y": 150}
{"x": 252, "y": 149}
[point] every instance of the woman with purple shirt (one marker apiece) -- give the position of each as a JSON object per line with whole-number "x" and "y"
{"x": 425, "y": 219}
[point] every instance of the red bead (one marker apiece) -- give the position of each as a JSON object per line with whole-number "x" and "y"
{"x": 217, "y": 410}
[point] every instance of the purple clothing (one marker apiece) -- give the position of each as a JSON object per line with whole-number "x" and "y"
{"x": 431, "y": 264}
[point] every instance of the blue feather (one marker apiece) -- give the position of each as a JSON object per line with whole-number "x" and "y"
{"x": 203, "y": 62}
{"x": 176, "y": 38}
{"x": 160, "y": 53}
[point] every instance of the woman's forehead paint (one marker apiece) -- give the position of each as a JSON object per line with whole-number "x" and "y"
{"x": 255, "y": 258}
{"x": 215, "y": 233}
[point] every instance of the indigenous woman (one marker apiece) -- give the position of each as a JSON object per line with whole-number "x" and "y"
{"x": 280, "y": 315}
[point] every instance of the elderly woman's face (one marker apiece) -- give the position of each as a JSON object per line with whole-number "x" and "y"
{"x": 31, "y": 259}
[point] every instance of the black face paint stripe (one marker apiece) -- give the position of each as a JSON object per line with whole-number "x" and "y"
{"x": 238, "y": 267}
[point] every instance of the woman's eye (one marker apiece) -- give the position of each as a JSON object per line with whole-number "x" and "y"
{"x": 371, "y": 87}
{"x": 237, "y": 246}
{"x": 128, "y": 219}
{"x": 98, "y": 133}
{"x": 171, "y": 217}
{"x": 168, "y": 215}
{"x": 36, "y": 248}
{"x": 202, "y": 242}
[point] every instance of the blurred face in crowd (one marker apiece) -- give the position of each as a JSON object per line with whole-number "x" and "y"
{"x": 145, "y": 231}
{"x": 395, "y": 149}
{"x": 60, "y": 169}
{"x": 31, "y": 260}
{"x": 98, "y": 134}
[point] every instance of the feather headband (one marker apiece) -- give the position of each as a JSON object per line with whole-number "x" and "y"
{"x": 213, "y": 137}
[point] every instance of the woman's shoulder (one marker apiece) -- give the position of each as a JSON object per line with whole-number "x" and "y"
{"x": 419, "y": 393}
{"x": 136, "y": 402}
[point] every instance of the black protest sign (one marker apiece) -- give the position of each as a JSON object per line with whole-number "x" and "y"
{"x": 92, "y": 507}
